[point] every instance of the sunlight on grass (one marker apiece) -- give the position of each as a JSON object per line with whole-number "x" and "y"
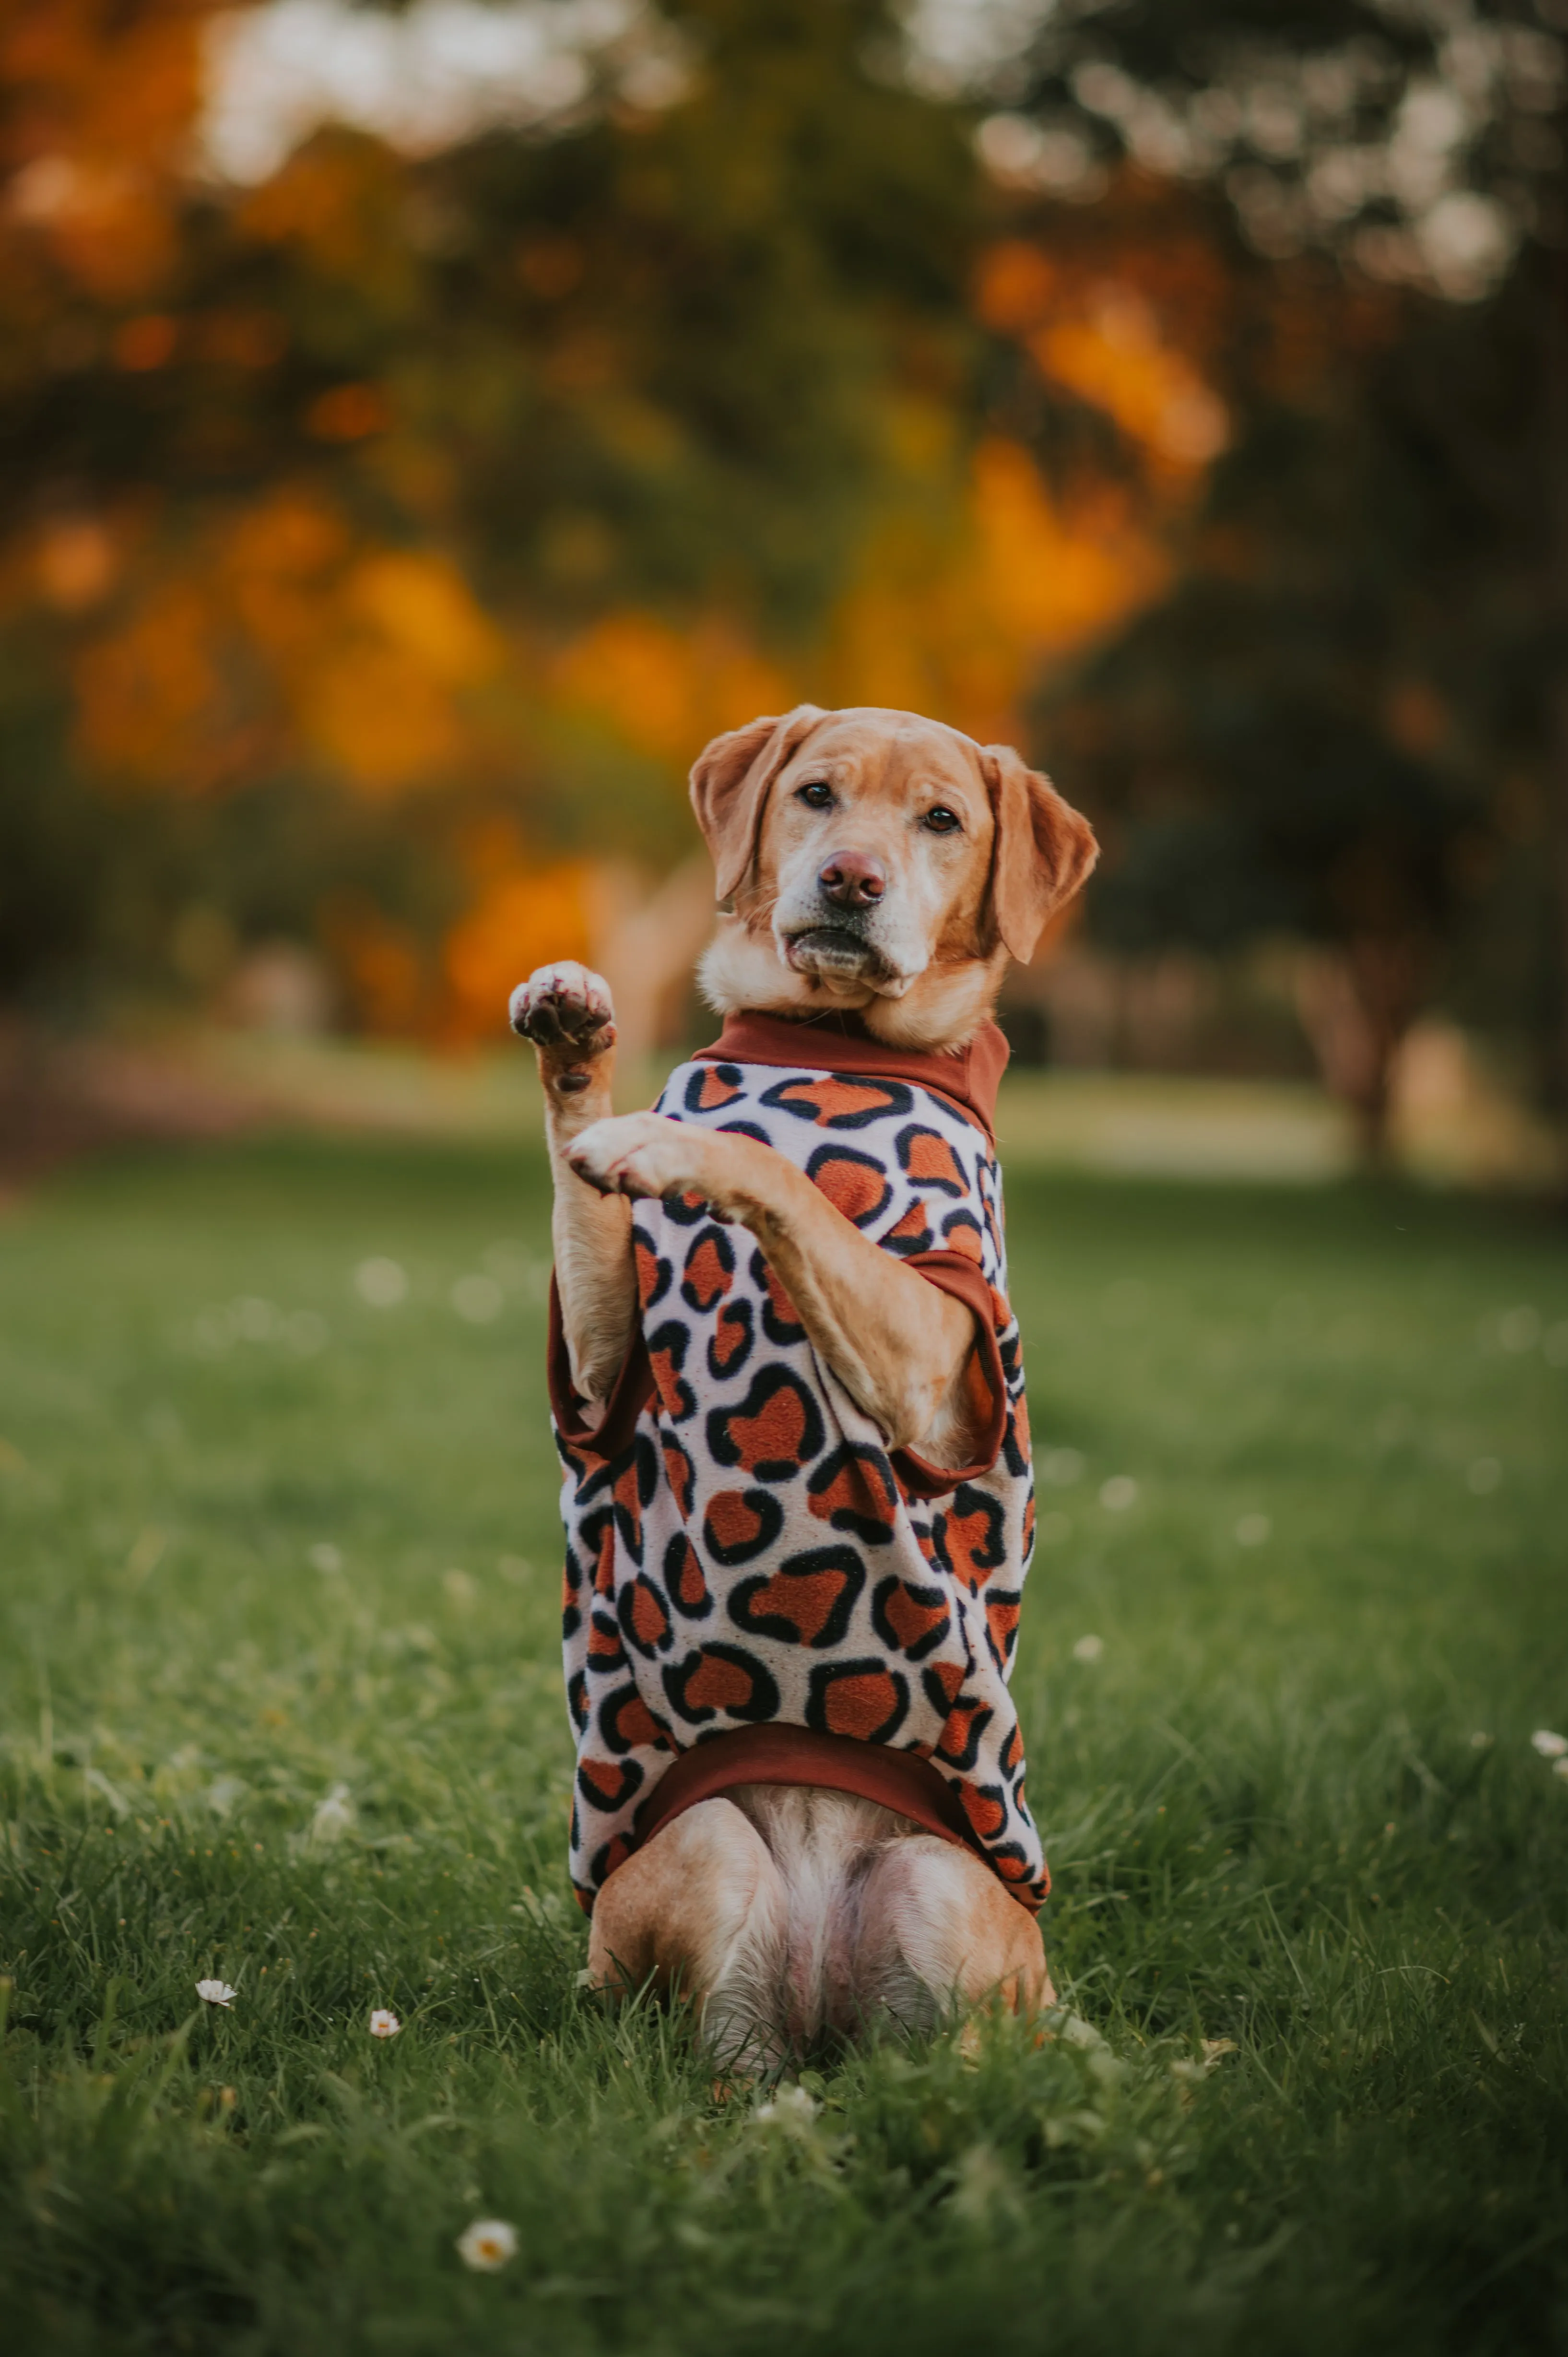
{"x": 282, "y": 1719}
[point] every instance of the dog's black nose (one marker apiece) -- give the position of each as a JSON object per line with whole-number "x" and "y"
{"x": 852, "y": 881}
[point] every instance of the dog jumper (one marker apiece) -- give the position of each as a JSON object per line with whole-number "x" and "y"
{"x": 757, "y": 1589}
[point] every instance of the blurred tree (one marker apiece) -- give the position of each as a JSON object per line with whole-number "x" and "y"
{"x": 379, "y": 537}
{"x": 1268, "y": 748}
{"x": 1354, "y": 699}
{"x": 475, "y": 484}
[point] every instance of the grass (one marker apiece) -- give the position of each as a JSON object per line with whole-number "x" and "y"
{"x": 280, "y": 1703}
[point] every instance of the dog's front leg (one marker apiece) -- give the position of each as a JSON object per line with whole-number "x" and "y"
{"x": 901, "y": 1348}
{"x": 568, "y": 1013}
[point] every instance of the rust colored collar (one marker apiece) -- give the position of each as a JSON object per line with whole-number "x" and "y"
{"x": 838, "y": 1042}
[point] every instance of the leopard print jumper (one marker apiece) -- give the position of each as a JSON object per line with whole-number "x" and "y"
{"x": 745, "y": 1555}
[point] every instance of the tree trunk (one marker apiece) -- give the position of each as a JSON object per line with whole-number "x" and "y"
{"x": 1558, "y": 757}
{"x": 1356, "y": 1003}
{"x": 1555, "y": 332}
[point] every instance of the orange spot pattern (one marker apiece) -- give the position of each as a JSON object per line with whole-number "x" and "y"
{"x": 748, "y": 1501}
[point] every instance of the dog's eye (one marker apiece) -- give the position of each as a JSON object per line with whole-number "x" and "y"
{"x": 818, "y": 795}
{"x": 943, "y": 821}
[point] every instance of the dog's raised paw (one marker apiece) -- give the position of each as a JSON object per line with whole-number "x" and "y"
{"x": 565, "y": 1006}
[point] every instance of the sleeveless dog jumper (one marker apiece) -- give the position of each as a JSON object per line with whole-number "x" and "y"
{"x": 757, "y": 1589}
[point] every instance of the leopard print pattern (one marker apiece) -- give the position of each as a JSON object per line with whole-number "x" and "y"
{"x": 753, "y": 1552}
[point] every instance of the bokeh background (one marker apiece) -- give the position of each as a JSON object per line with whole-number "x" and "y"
{"x": 421, "y": 429}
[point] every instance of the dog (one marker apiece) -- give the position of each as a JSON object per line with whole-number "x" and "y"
{"x": 789, "y": 1400}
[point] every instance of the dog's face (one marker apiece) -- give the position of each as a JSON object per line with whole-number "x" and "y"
{"x": 874, "y": 851}
{"x": 879, "y": 861}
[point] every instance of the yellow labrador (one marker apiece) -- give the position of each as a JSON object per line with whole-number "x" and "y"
{"x": 880, "y": 870}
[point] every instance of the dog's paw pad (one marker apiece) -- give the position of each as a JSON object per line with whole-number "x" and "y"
{"x": 564, "y": 1004}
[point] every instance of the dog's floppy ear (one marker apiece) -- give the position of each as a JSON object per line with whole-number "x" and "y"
{"x": 730, "y": 779}
{"x": 1041, "y": 852}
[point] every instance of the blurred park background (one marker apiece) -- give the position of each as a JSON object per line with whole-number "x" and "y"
{"x": 421, "y": 429}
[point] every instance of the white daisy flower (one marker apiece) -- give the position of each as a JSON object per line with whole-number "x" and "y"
{"x": 486, "y": 2245}
{"x": 216, "y": 1993}
{"x": 792, "y": 2107}
{"x": 1550, "y": 1746}
{"x": 1089, "y": 1648}
{"x": 384, "y": 2024}
{"x": 334, "y": 1816}
{"x": 1559, "y": 1768}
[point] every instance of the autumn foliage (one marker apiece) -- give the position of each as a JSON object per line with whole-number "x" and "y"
{"x": 465, "y": 496}
{"x": 385, "y": 534}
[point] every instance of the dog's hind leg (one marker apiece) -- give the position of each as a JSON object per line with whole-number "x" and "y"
{"x": 702, "y": 1909}
{"x": 939, "y": 1933}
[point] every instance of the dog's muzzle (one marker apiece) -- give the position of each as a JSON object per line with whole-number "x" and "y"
{"x": 841, "y": 949}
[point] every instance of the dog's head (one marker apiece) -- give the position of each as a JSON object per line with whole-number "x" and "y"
{"x": 878, "y": 861}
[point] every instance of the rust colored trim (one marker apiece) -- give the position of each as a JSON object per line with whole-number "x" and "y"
{"x": 781, "y": 1754}
{"x": 968, "y": 1078}
{"x": 955, "y": 1273}
{"x": 633, "y": 1390}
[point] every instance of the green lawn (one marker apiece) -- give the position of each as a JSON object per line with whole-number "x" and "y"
{"x": 279, "y": 1703}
